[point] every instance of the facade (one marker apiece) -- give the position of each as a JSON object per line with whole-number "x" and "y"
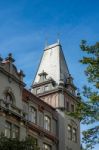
{"x": 41, "y": 111}
{"x": 23, "y": 114}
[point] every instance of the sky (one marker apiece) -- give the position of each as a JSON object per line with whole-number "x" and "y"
{"x": 26, "y": 26}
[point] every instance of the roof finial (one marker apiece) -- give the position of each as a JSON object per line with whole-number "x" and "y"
{"x": 10, "y": 58}
{"x": 58, "y": 38}
{"x": 46, "y": 41}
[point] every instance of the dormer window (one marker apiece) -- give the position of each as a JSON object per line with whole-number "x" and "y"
{"x": 42, "y": 75}
{"x": 46, "y": 88}
{"x": 38, "y": 91}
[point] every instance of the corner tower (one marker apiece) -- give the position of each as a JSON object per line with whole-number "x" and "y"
{"x": 53, "y": 76}
{"x": 54, "y": 85}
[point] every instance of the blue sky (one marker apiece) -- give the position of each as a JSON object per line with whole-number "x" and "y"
{"x": 26, "y": 24}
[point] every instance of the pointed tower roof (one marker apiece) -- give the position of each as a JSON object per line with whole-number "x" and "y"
{"x": 53, "y": 63}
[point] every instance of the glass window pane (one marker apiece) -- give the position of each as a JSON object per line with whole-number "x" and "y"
{"x": 32, "y": 115}
{"x": 47, "y": 123}
{"x": 74, "y": 135}
{"x": 15, "y": 131}
{"x": 8, "y": 129}
{"x": 69, "y": 132}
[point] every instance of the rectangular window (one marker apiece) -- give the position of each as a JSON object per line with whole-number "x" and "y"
{"x": 32, "y": 115}
{"x": 35, "y": 141}
{"x": 74, "y": 138}
{"x": 47, "y": 123}
{"x": 15, "y": 131}
{"x": 11, "y": 130}
{"x": 8, "y": 129}
{"x": 72, "y": 133}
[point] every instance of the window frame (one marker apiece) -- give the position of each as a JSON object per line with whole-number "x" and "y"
{"x": 11, "y": 130}
{"x": 74, "y": 135}
{"x": 8, "y": 129}
{"x": 70, "y": 132}
{"x": 47, "y": 123}
{"x": 33, "y": 114}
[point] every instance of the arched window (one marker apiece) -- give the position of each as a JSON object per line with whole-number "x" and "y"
{"x": 47, "y": 123}
{"x": 8, "y": 98}
{"x": 32, "y": 115}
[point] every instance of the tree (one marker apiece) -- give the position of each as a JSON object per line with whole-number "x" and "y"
{"x": 15, "y": 144}
{"x": 88, "y": 110}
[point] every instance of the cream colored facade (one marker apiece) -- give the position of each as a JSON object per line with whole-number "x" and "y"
{"x": 23, "y": 114}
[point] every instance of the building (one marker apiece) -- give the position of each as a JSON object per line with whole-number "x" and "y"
{"x": 22, "y": 113}
{"x": 41, "y": 112}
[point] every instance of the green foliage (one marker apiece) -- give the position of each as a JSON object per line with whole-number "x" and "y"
{"x": 92, "y": 62}
{"x": 15, "y": 144}
{"x": 88, "y": 111}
